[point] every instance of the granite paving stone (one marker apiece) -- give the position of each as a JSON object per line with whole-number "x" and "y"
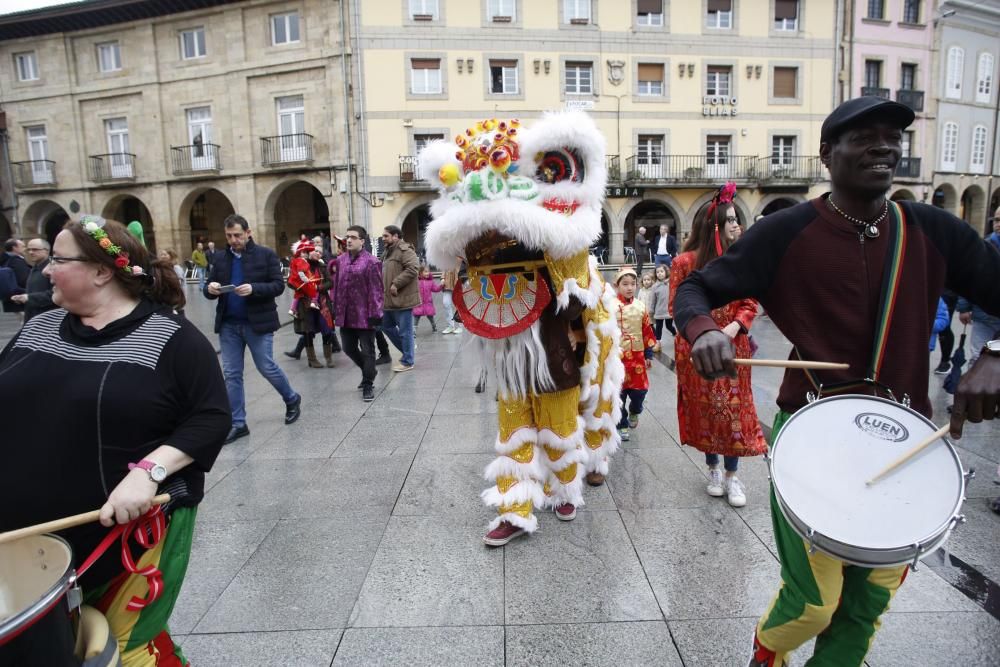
{"x": 592, "y": 644}
{"x": 302, "y": 648}
{"x": 421, "y": 647}
{"x": 969, "y": 639}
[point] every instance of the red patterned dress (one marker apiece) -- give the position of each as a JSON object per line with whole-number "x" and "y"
{"x": 716, "y": 417}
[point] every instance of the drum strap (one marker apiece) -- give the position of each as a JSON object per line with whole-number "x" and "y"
{"x": 891, "y": 273}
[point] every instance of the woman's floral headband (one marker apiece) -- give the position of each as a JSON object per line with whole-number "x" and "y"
{"x": 94, "y": 225}
{"x": 724, "y": 195}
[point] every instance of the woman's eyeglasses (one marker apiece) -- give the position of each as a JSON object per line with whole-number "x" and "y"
{"x": 57, "y": 259}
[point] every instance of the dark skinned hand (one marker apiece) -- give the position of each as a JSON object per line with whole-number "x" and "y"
{"x": 978, "y": 394}
{"x": 712, "y": 355}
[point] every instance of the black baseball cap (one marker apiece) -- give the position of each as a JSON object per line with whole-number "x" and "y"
{"x": 853, "y": 112}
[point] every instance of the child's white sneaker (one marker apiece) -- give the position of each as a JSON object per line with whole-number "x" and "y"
{"x": 715, "y": 487}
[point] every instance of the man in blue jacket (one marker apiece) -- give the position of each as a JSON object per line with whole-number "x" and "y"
{"x": 246, "y": 278}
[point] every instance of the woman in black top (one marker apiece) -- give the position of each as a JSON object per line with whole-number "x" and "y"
{"x": 117, "y": 398}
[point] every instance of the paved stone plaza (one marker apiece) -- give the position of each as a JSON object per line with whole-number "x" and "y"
{"x": 353, "y": 537}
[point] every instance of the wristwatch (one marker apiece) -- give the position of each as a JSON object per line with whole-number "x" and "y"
{"x": 157, "y": 473}
{"x": 992, "y": 348}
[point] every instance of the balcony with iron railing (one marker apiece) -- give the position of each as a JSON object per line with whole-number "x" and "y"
{"x": 409, "y": 174}
{"x": 911, "y": 98}
{"x": 34, "y": 174}
{"x": 195, "y": 159}
{"x": 870, "y": 91}
{"x": 111, "y": 167}
{"x": 776, "y": 171}
{"x": 613, "y": 164}
{"x": 908, "y": 167}
{"x": 286, "y": 149}
{"x": 688, "y": 170}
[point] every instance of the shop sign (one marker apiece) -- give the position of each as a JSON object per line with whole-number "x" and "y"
{"x": 718, "y": 105}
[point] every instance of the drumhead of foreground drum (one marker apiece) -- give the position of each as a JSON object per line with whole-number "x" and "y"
{"x": 32, "y": 571}
{"x": 825, "y": 454}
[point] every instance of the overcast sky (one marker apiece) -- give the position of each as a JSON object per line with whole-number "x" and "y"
{"x": 8, "y": 6}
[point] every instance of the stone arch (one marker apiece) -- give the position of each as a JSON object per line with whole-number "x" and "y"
{"x": 903, "y": 194}
{"x": 973, "y": 205}
{"x": 201, "y": 213}
{"x": 295, "y": 207}
{"x": 945, "y": 197}
{"x": 654, "y": 209}
{"x": 775, "y": 202}
{"x": 44, "y": 217}
{"x": 742, "y": 211}
{"x": 127, "y": 207}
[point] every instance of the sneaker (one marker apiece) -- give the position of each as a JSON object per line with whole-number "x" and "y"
{"x": 715, "y": 486}
{"x": 633, "y": 421}
{"x": 383, "y": 359}
{"x": 623, "y": 432}
{"x": 235, "y": 433}
{"x": 448, "y": 330}
{"x": 502, "y": 534}
{"x": 943, "y": 368}
{"x": 293, "y": 410}
{"x": 595, "y": 478}
{"x": 367, "y": 394}
{"x": 402, "y": 368}
{"x": 735, "y": 494}
{"x": 361, "y": 385}
{"x": 763, "y": 657}
{"x": 566, "y": 512}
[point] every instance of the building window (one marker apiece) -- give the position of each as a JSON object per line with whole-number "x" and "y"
{"x": 876, "y": 9}
{"x": 782, "y": 150}
{"x": 785, "y": 83}
{"x": 649, "y": 12}
{"x": 720, "y": 14}
{"x": 579, "y": 78}
{"x": 109, "y": 57}
{"x": 717, "y": 150}
{"x": 717, "y": 81}
{"x": 907, "y": 76}
{"x": 907, "y": 145}
{"x": 193, "y": 43}
{"x": 292, "y": 127}
{"x": 502, "y": 11}
{"x": 650, "y": 80}
{"x": 285, "y": 28}
{"x": 911, "y": 11}
{"x": 953, "y": 79}
{"x": 786, "y": 15}
{"x": 649, "y": 155}
{"x": 116, "y": 130}
{"x": 949, "y": 147}
{"x": 503, "y": 77}
{"x": 425, "y": 76}
{"x": 420, "y": 141}
{"x": 424, "y": 10}
{"x": 984, "y": 78}
{"x": 199, "y": 120}
{"x": 977, "y": 162}
{"x": 577, "y": 11}
{"x": 38, "y": 153}
{"x": 27, "y": 66}
{"x": 873, "y": 73}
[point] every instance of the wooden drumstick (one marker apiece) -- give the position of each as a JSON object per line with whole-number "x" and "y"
{"x": 931, "y": 439}
{"x": 65, "y": 522}
{"x": 787, "y": 363}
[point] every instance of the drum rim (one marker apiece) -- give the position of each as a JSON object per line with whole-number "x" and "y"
{"x": 21, "y": 621}
{"x": 923, "y": 544}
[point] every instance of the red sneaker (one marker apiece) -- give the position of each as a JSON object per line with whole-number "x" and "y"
{"x": 763, "y": 656}
{"x": 502, "y": 534}
{"x": 566, "y": 512}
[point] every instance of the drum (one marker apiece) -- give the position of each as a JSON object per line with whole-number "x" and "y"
{"x": 37, "y": 580}
{"x": 827, "y": 451}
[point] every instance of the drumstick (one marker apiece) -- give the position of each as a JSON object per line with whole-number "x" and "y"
{"x": 65, "y": 522}
{"x": 931, "y": 439}
{"x": 787, "y": 363}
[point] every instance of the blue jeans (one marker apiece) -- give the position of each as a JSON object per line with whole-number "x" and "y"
{"x": 233, "y": 338}
{"x": 199, "y": 272}
{"x": 732, "y": 462}
{"x": 397, "y": 325}
{"x": 635, "y": 399}
{"x": 663, "y": 259}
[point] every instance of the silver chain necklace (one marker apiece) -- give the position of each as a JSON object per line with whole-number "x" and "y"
{"x": 870, "y": 228}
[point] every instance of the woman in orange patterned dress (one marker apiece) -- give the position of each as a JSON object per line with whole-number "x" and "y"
{"x": 717, "y": 418}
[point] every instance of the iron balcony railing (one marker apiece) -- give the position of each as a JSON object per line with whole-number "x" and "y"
{"x": 690, "y": 168}
{"x": 911, "y": 98}
{"x": 868, "y": 91}
{"x": 34, "y": 173}
{"x": 285, "y": 149}
{"x": 613, "y": 164}
{"x": 776, "y": 170}
{"x": 908, "y": 167}
{"x": 195, "y": 158}
{"x": 111, "y": 167}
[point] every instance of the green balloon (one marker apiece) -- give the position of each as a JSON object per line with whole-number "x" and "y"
{"x": 135, "y": 229}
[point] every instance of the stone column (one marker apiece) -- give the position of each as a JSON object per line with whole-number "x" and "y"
{"x": 616, "y": 246}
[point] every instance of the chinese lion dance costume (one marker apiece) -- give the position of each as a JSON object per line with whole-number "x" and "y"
{"x": 521, "y": 207}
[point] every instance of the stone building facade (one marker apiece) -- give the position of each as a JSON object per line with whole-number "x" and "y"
{"x": 177, "y": 114}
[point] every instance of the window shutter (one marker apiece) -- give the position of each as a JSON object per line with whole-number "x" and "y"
{"x": 650, "y": 72}
{"x": 786, "y": 9}
{"x": 720, "y": 5}
{"x": 784, "y": 81}
{"x": 649, "y": 7}
{"x": 422, "y": 63}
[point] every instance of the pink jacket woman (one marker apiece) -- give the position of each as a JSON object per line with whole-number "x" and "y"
{"x": 427, "y": 288}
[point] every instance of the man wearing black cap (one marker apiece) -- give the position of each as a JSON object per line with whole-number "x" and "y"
{"x": 818, "y": 269}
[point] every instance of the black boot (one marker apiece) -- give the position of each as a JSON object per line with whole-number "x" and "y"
{"x": 334, "y": 342}
{"x": 299, "y": 346}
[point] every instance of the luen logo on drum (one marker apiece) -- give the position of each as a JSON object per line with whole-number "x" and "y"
{"x": 881, "y": 426}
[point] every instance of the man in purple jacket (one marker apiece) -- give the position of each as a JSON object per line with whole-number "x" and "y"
{"x": 357, "y": 305}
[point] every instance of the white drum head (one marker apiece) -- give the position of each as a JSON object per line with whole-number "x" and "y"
{"x": 30, "y": 567}
{"x": 827, "y": 451}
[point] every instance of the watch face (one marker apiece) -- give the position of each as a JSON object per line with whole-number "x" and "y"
{"x": 158, "y": 473}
